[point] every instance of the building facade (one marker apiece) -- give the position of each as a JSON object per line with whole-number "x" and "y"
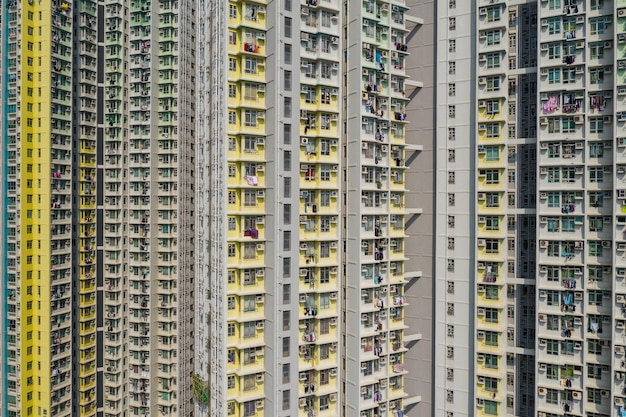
{"x": 98, "y": 128}
{"x": 302, "y": 211}
{"x": 206, "y": 209}
{"x": 527, "y": 213}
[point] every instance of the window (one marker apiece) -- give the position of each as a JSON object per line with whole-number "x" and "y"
{"x": 493, "y": 60}
{"x": 452, "y": 45}
{"x": 492, "y": 292}
{"x": 595, "y": 249}
{"x": 493, "y": 130}
{"x": 452, "y": 67}
{"x": 251, "y": 66}
{"x": 286, "y": 267}
{"x": 250, "y": 118}
{"x": 596, "y": 174}
{"x": 493, "y": 107}
{"x": 594, "y": 371}
{"x": 232, "y": 118}
{"x": 231, "y": 250}
{"x": 491, "y": 384}
{"x": 325, "y": 198}
{"x": 595, "y": 298}
{"x": 326, "y": 18}
{"x": 568, "y": 125}
{"x": 552, "y": 396}
{"x": 492, "y": 176}
{"x": 552, "y": 298}
{"x": 596, "y": 150}
{"x": 452, "y": 23}
{"x": 491, "y": 338}
{"x": 250, "y": 198}
{"x": 555, "y": 4}
{"x": 595, "y": 224}
{"x": 492, "y": 223}
{"x": 596, "y": 51}
{"x": 554, "y": 51}
{"x": 493, "y": 84}
{"x": 324, "y": 326}
{"x": 596, "y": 75}
{"x": 493, "y": 14}
{"x": 492, "y": 246}
{"x": 596, "y": 125}
{"x": 249, "y": 408}
{"x": 231, "y": 329}
{"x": 451, "y": 112}
{"x": 594, "y": 396}
{"x": 287, "y": 27}
{"x": 491, "y": 315}
{"x": 493, "y": 37}
{"x": 594, "y": 347}
{"x": 491, "y": 407}
{"x": 568, "y": 225}
{"x": 232, "y": 38}
{"x": 325, "y": 172}
{"x": 554, "y": 75}
{"x": 287, "y": 106}
{"x": 325, "y": 121}
{"x": 491, "y": 361}
{"x": 552, "y": 347}
{"x": 492, "y": 200}
{"x": 492, "y": 153}
{"x": 324, "y": 301}
{"x": 249, "y": 250}
{"x": 554, "y": 26}
{"x": 598, "y": 26}
{"x": 286, "y": 240}
{"x": 249, "y": 303}
{"x": 249, "y": 329}
{"x": 597, "y": 4}
{"x": 596, "y": 199}
{"x": 451, "y": 89}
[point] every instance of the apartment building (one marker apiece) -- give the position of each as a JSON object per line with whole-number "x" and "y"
{"x": 482, "y": 161}
{"x": 98, "y": 116}
{"x": 301, "y": 209}
{"x": 528, "y": 202}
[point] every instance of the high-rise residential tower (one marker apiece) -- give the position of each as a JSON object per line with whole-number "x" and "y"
{"x": 303, "y": 287}
{"x": 98, "y": 196}
{"x": 528, "y": 214}
{"x": 207, "y": 209}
